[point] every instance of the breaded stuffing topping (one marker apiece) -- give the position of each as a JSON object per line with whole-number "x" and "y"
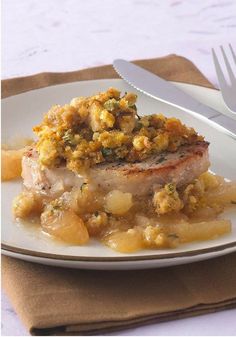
{"x": 106, "y": 128}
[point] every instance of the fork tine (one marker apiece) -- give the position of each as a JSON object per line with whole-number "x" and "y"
{"x": 228, "y": 66}
{"x": 233, "y": 53}
{"x": 219, "y": 71}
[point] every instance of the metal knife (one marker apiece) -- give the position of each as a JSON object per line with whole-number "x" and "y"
{"x": 165, "y": 91}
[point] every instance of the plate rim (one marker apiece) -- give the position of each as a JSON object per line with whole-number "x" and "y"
{"x": 200, "y": 252}
{"x": 4, "y": 81}
{"x": 192, "y": 253}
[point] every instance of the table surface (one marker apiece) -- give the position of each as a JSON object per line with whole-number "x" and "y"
{"x": 52, "y": 35}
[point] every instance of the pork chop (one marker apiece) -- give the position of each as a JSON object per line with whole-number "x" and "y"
{"x": 139, "y": 178}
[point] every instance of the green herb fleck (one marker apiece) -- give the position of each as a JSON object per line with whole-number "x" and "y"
{"x": 160, "y": 160}
{"x": 111, "y": 104}
{"x": 82, "y": 186}
{"x": 138, "y": 126}
{"x": 56, "y": 206}
{"x": 170, "y": 188}
{"x": 69, "y": 138}
{"x": 106, "y": 151}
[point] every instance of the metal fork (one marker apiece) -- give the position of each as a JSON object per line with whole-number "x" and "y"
{"x": 228, "y": 90}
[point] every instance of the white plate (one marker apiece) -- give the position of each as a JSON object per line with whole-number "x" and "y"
{"x": 21, "y": 112}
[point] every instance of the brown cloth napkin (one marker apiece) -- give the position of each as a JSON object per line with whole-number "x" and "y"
{"x": 57, "y": 301}
{"x": 172, "y": 68}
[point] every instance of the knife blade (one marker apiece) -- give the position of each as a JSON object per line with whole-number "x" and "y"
{"x": 164, "y": 91}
